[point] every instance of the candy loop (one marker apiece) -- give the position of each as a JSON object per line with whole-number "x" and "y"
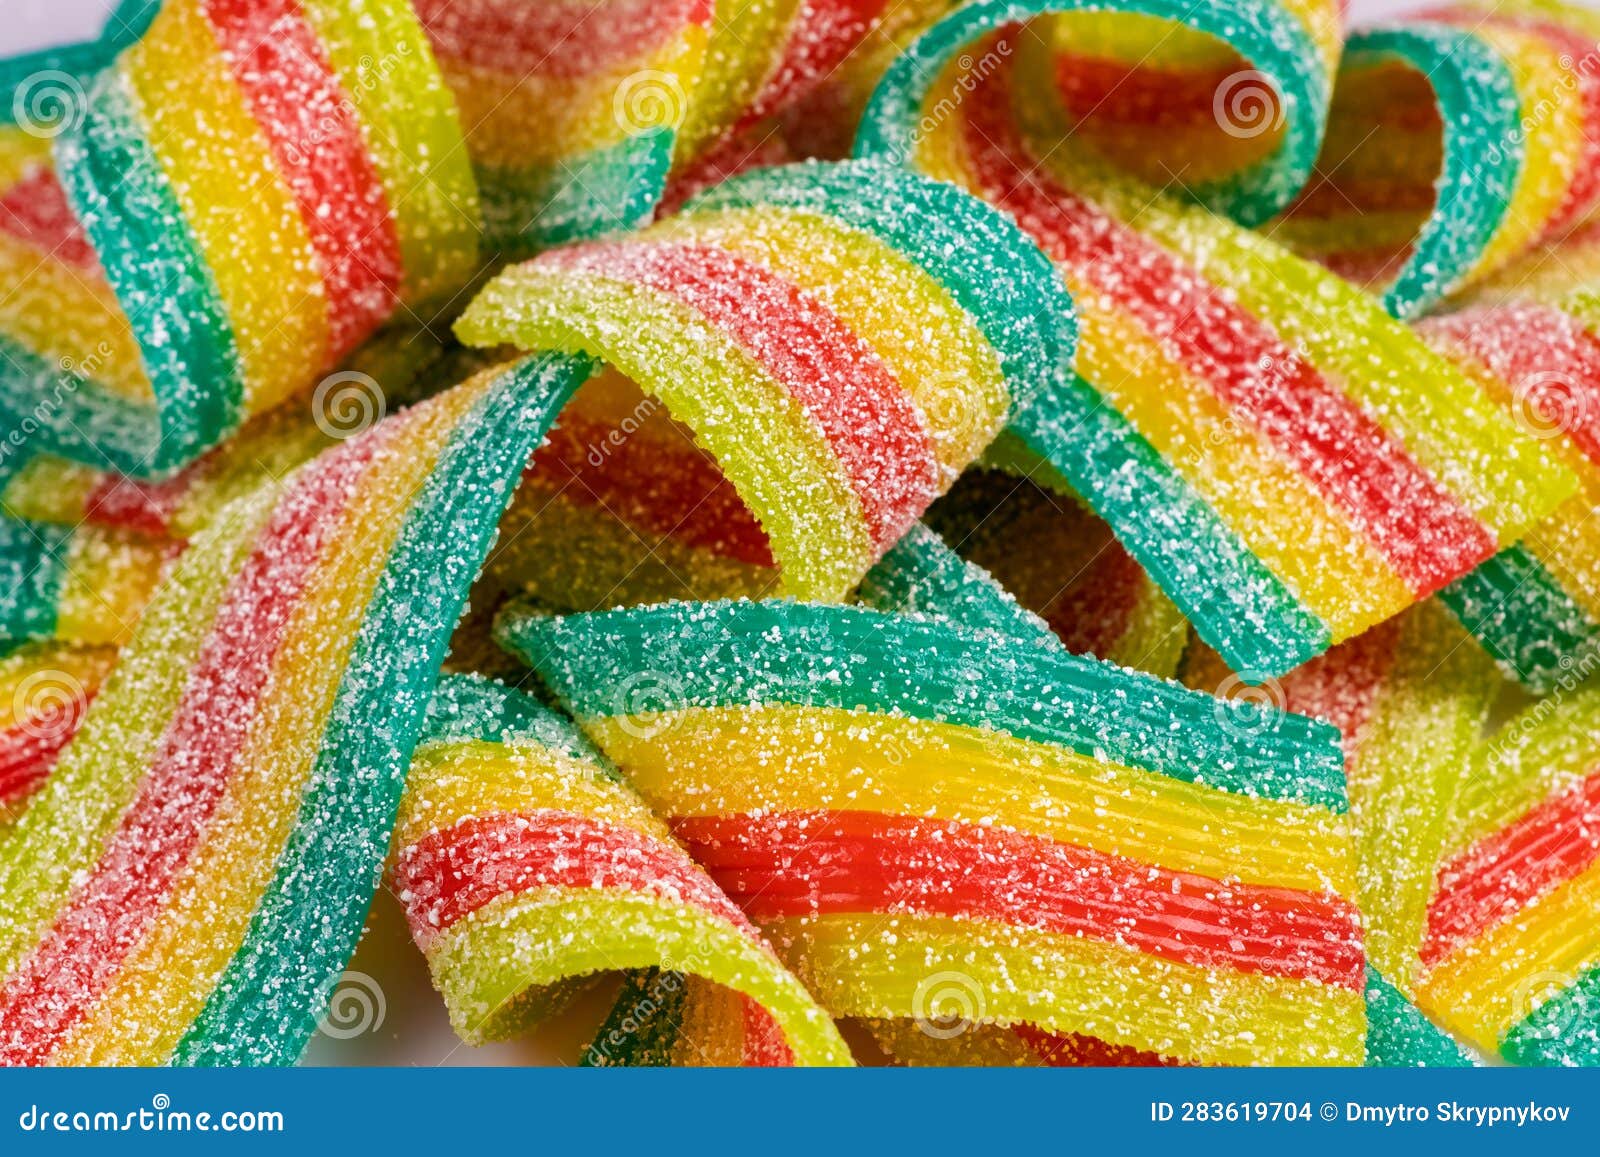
{"x": 883, "y": 700}
{"x": 513, "y": 827}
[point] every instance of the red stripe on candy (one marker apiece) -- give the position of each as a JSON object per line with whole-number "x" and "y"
{"x": 805, "y": 863}
{"x": 29, "y": 750}
{"x": 113, "y": 909}
{"x": 450, "y": 874}
{"x": 867, "y": 418}
{"x": 764, "y": 1043}
{"x": 563, "y": 38}
{"x": 1497, "y": 877}
{"x": 1549, "y": 359}
{"x": 1359, "y": 467}
{"x": 36, "y": 210}
{"x": 654, "y": 486}
{"x": 311, "y": 127}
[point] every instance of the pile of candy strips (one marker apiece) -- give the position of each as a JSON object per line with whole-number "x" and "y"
{"x": 1003, "y": 533}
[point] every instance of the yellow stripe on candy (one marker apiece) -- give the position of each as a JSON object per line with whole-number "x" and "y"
{"x": 732, "y": 760}
{"x": 519, "y": 122}
{"x": 877, "y": 965}
{"x": 110, "y": 576}
{"x": 382, "y": 59}
{"x": 99, "y": 773}
{"x": 764, "y": 441}
{"x": 219, "y": 888}
{"x": 606, "y": 930}
{"x": 738, "y": 57}
{"x": 235, "y": 201}
{"x": 1508, "y": 480}
{"x": 1496, "y": 979}
{"x": 1254, "y": 489}
{"x": 1552, "y": 140}
{"x": 69, "y": 316}
{"x": 455, "y": 780}
{"x": 889, "y": 302}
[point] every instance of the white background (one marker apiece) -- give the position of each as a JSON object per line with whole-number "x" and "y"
{"x": 28, "y": 24}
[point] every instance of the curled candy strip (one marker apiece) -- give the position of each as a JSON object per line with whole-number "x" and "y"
{"x": 1456, "y": 142}
{"x": 241, "y": 202}
{"x": 846, "y": 744}
{"x": 1289, "y": 463}
{"x": 45, "y": 689}
{"x": 526, "y": 865}
{"x": 282, "y": 671}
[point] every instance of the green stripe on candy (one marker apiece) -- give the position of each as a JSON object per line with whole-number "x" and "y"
{"x": 716, "y": 655}
{"x": 1400, "y": 1037}
{"x": 265, "y": 1008}
{"x": 1230, "y": 596}
{"x": 1564, "y": 1030}
{"x": 644, "y": 1024}
{"x": 133, "y": 220}
{"x": 1518, "y": 611}
{"x": 32, "y": 569}
{"x": 471, "y": 707}
{"x": 1264, "y": 32}
{"x": 1483, "y": 152}
{"x": 992, "y": 269}
{"x": 576, "y": 198}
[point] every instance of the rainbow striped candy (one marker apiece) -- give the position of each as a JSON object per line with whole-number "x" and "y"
{"x": 1511, "y": 962}
{"x": 251, "y": 190}
{"x": 1411, "y": 698}
{"x": 221, "y": 780}
{"x": 572, "y": 107}
{"x": 1456, "y": 141}
{"x": 282, "y": 671}
{"x": 842, "y": 339}
{"x": 527, "y": 866}
{"x": 985, "y": 804}
{"x": 1289, "y": 463}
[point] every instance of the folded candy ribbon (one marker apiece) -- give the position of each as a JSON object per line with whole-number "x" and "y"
{"x": 281, "y": 673}
{"x": 246, "y": 193}
{"x": 1290, "y": 464}
{"x": 526, "y": 866}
